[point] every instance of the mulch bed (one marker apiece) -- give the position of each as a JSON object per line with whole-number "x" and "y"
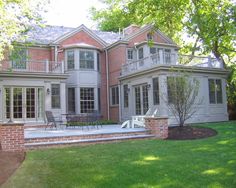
{"x": 189, "y": 133}
{"x": 9, "y": 162}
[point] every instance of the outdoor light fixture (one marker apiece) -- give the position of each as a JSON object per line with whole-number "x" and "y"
{"x": 149, "y": 86}
{"x": 48, "y": 91}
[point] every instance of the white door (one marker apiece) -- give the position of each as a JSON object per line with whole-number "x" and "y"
{"x": 141, "y": 99}
{"x": 24, "y": 103}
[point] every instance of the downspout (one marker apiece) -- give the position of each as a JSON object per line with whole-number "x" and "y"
{"x": 120, "y": 102}
{"x": 107, "y": 77}
{"x": 55, "y": 54}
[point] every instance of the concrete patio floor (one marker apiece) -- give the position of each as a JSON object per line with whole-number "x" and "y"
{"x": 74, "y": 131}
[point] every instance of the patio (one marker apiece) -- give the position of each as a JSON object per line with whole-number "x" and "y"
{"x": 77, "y": 131}
{"x": 39, "y": 137}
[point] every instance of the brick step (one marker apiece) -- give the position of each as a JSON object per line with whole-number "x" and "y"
{"x": 85, "y": 141}
{"x": 84, "y": 136}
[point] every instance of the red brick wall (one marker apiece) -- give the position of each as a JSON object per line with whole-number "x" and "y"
{"x": 116, "y": 58}
{"x": 103, "y": 85}
{"x": 82, "y": 37}
{"x": 157, "y": 126}
{"x": 39, "y": 54}
{"x": 143, "y": 37}
{"x": 12, "y": 137}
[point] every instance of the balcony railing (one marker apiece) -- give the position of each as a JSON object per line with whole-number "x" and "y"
{"x": 33, "y": 66}
{"x": 169, "y": 59}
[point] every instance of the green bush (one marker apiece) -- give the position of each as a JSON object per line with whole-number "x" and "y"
{"x": 100, "y": 122}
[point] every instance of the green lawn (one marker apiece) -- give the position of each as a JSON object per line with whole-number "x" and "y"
{"x": 200, "y": 163}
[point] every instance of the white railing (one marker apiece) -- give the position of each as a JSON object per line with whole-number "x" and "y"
{"x": 169, "y": 59}
{"x": 33, "y": 66}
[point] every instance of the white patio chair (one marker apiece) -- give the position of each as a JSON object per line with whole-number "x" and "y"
{"x": 139, "y": 119}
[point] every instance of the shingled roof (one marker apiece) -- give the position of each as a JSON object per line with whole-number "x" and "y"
{"x": 47, "y": 34}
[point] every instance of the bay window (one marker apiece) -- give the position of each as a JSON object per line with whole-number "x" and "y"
{"x": 86, "y": 59}
{"x": 70, "y": 59}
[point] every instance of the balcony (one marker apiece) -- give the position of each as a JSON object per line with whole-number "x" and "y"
{"x": 170, "y": 59}
{"x": 33, "y": 66}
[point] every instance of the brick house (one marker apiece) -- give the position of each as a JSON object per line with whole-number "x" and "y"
{"x": 77, "y": 70}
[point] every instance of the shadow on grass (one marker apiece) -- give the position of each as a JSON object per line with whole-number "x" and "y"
{"x": 207, "y": 162}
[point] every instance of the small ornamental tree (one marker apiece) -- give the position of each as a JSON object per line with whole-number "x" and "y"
{"x": 182, "y": 97}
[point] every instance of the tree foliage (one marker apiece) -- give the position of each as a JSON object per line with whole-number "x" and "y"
{"x": 200, "y": 27}
{"x": 210, "y": 25}
{"x": 16, "y": 17}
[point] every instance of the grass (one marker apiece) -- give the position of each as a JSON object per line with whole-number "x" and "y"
{"x": 209, "y": 162}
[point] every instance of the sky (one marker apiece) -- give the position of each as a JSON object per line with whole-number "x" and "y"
{"x": 70, "y": 13}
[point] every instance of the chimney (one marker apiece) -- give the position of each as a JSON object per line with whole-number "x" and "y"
{"x": 130, "y": 29}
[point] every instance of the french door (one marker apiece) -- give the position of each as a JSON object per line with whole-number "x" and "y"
{"x": 24, "y": 103}
{"x": 141, "y": 99}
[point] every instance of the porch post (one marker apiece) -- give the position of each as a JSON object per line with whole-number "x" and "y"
{"x": 62, "y": 66}
{"x": 47, "y": 65}
{"x": 161, "y": 56}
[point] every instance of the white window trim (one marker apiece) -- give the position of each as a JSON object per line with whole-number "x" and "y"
{"x": 111, "y": 104}
{"x": 94, "y": 59}
{"x": 127, "y": 54}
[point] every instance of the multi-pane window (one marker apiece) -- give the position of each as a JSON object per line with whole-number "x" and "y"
{"x": 98, "y": 62}
{"x": 99, "y": 100}
{"x": 30, "y": 102}
{"x": 167, "y": 56}
{"x": 215, "y": 91}
{"x": 17, "y": 103}
{"x": 55, "y": 96}
{"x": 126, "y": 96}
{"x": 70, "y": 59}
{"x": 87, "y": 100}
{"x": 86, "y": 59}
{"x": 153, "y": 50}
{"x": 71, "y": 100}
{"x": 115, "y": 95}
{"x": 7, "y": 102}
{"x": 170, "y": 81}
{"x": 155, "y": 82}
{"x": 130, "y": 54}
{"x": 140, "y": 53}
{"x": 19, "y": 58}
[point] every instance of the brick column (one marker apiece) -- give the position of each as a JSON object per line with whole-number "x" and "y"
{"x": 12, "y": 137}
{"x": 158, "y": 126}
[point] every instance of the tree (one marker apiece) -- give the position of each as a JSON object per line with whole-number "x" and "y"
{"x": 214, "y": 24}
{"x": 210, "y": 24}
{"x": 164, "y": 14}
{"x": 200, "y": 27}
{"x": 16, "y": 17}
{"x": 182, "y": 97}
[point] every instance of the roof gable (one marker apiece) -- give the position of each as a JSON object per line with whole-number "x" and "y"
{"x": 77, "y": 30}
{"x": 149, "y": 28}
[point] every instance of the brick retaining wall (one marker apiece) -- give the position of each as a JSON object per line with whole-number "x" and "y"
{"x": 158, "y": 126}
{"x": 12, "y": 137}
